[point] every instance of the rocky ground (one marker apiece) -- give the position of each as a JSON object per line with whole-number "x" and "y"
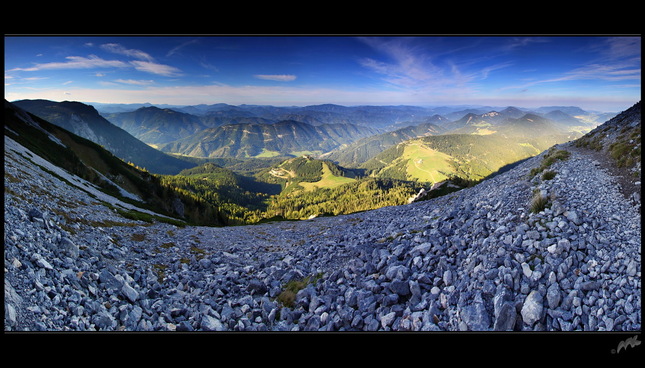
{"x": 478, "y": 259}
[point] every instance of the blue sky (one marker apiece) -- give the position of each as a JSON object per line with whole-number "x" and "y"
{"x": 595, "y": 73}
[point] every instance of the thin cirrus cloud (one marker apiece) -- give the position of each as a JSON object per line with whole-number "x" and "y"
{"x": 624, "y": 72}
{"x": 135, "y": 82}
{"x": 154, "y": 68}
{"x": 118, "y": 49}
{"x": 276, "y": 77}
{"x": 76, "y": 62}
{"x": 144, "y": 63}
{"x": 416, "y": 68}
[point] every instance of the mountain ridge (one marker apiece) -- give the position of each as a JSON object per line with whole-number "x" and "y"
{"x": 94, "y": 164}
{"x": 383, "y": 118}
{"x": 85, "y": 121}
{"x": 286, "y": 137}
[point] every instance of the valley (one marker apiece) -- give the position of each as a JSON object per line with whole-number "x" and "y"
{"x": 253, "y": 163}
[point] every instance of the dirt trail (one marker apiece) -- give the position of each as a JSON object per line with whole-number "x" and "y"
{"x": 624, "y": 178}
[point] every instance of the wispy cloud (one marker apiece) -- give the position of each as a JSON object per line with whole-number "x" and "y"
{"x": 276, "y": 77}
{"x": 135, "y": 82}
{"x": 487, "y": 70}
{"x": 178, "y": 48}
{"x": 77, "y": 62}
{"x": 118, "y": 49}
{"x": 622, "y": 48}
{"x": 144, "y": 63}
{"x": 154, "y": 68}
{"x": 521, "y": 42}
{"x": 618, "y": 60}
{"x": 423, "y": 68}
{"x": 406, "y": 67}
{"x": 93, "y": 62}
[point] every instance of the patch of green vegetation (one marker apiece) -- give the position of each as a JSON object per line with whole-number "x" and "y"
{"x": 234, "y": 198}
{"x": 138, "y": 237}
{"x": 551, "y": 156}
{"x": 548, "y": 175}
{"x": 160, "y": 271}
{"x": 472, "y": 157}
{"x": 10, "y": 178}
{"x": 305, "y": 153}
{"x": 288, "y": 296}
{"x": 625, "y": 153}
{"x": 275, "y": 218}
{"x": 360, "y": 195}
{"x": 592, "y": 141}
{"x": 198, "y": 252}
{"x": 538, "y": 202}
{"x": 328, "y": 180}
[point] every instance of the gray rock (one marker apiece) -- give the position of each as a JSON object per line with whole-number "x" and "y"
{"x": 632, "y": 268}
{"x": 447, "y": 277}
{"x": 131, "y": 294}
{"x": 35, "y": 213}
{"x": 41, "y": 262}
{"x": 505, "y": 318}
{"x": 104, "y": 321}
{"x": 108, "y": 279}
{"x": 553, "y": 296}
{"x": 184, "y": 326}
{"x": 388, "y": 319}
{"x": 69, "y": 247}
{"x": 397, "y": 272}
{"x": 421, "y": 249}
{"x": 573, "y": 217}
{"x": 526, "y": 269}
{"x": 476, "y": 317}
{"x": 257, "y": 287}
{"x": 401, "y": 288}
{"x": 533, "y": 308}
{"x": 590, "y": 285}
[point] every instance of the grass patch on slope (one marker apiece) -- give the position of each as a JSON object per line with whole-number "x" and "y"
{"x": 328, "y": 180}
{"x": 549, "y": 159}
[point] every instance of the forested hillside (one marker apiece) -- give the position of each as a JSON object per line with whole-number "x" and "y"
{"x": 294, "y": 189}
{"x": 91, "y": 162}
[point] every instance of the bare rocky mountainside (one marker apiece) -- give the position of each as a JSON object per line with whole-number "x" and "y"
{"x": 553, "y": 244}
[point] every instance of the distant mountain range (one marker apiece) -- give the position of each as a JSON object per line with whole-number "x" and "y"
{"x": 350, "y": 136}
{"x": 287, "y": 137}
{"x": 359, "y": 132}
{"x": 224, "y": 164}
